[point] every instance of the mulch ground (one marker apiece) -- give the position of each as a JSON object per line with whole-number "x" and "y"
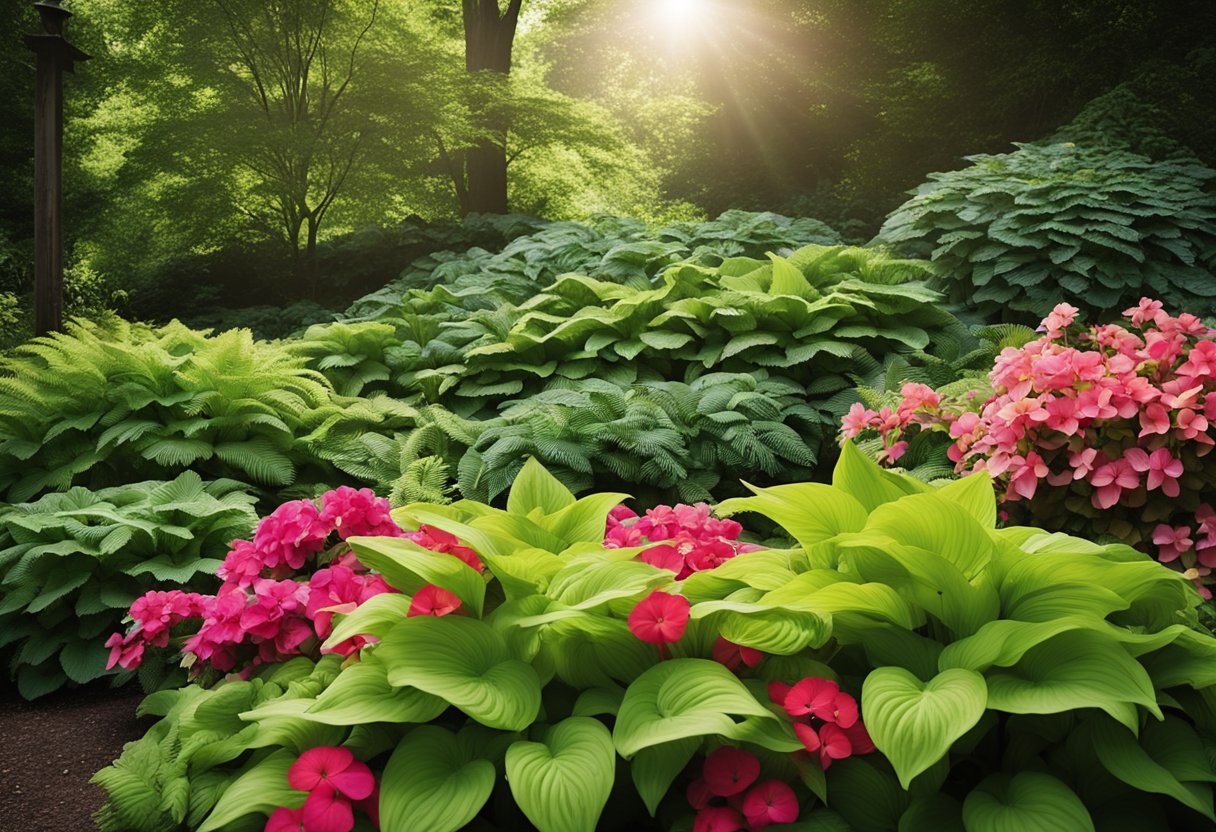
{"x": 50, "y": 748}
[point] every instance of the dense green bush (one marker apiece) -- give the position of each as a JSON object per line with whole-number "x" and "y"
{"x": 114, "y": 402}
{"x": 615, "y": 249}
{"x": 1102, "y": 227}
{"x": 1010, "y": 679}
{"x": 72, "y": 563}
{"x": 664, "y": 384}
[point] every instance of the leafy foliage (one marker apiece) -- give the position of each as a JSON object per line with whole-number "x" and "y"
{"x": 117, "y": 402}
{"x": 1008, "y": 677}
{"x": 1102, "y": 224}
{"x": 73, "y": 562}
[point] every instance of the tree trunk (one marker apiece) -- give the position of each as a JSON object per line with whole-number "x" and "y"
{"x": 489, "y": 36}
{"x": 311, "y": 270}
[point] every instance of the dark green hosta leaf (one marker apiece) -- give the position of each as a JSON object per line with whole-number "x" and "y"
{"x": 682, "y": 698}
{"x": 1026, "y": 802}
{"x": 914, "y": 723}
{"x": 434, "y": 782}
{"x": 1131, "y": 762}
{"x": 465, "y": 662}
{"x": 563, "y": 783}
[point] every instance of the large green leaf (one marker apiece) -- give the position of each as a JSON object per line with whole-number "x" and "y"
{"x": 1076, "y": 669}
{"x": 1026, "y": 802}
{"x": 860, "y": 477}
{"x": 467, "y": 663}
{"x": 933, "y": 523}
{"x": 260, "y": 788}
{"x": 914, "y": 723}
{"x": 771, "y": 629}
{"x": 810, "y": 512}
{"x": 682, "y": 698}
{"x": 536, "y": 488}
{"x": 409, "y": 567}
{"x": 1126, "y": 759}
{"x": 655, "y": 768}
{"x": 362, "y": 694}
{"x": 374, "y": 617}
{"x": 433, "y": 782}
{"x": 563, "y": 783}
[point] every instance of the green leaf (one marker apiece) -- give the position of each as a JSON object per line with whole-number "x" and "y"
{"x": 563, "y": 783}
{"x": 861, "y": 478}
{"x": 433, "y": 782}
{"x": 782, "y": 631}
{"x": 535, "y": 488}
{"x": 1026, "y": 802}
{"x": 362, "y": 694}
{"x": 408, "y": 567}
{"x": 682, "y": 698}
{"x": 374, "y": 617}
{"x": 261, "y": 788}
{"x": 1123, "y": 757}
{"x": 655, "y": 768}
{"x": 467, "y": 663}
{"x": 914, "y": 723}
{"x": 1076, "y": 669}
{"x": 810, "y": 512}
{"x": 974, "y": 493}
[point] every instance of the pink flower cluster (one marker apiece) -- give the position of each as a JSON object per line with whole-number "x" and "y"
{"x": 688, "y": 538}
{"x": 1116, "y": 414}
{"x": 726, "y": 800}
{"x": 269, "y": 607}
{"x": 336, "y": 783}
{"x": 826, "y": 718}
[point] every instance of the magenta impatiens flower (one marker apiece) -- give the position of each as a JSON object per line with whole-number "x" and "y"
{"x": 718, "y": 819}
{"x": 732, "y": 655}
{"x": 812, "y": 696}
{"x": 660, "y": 618}
{"x": 286, "y": 820}
{"x": 334, "y": 767}
{"x": 433, "y": 600}
{"x": 729, "y": 770}
{"x": 1163, "y": 470}
{"x": 1111, "y": 480}
{"x": 770, "y": 802}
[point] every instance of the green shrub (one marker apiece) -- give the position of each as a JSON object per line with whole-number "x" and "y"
{"x": 109, "y": 403}
{"x": 72, "y": 563}
{"x": 1095, "y": 226}
{"x": 1010, "y": 679}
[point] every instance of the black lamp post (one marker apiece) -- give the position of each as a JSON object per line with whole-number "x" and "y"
{"x": 55, "y": 55}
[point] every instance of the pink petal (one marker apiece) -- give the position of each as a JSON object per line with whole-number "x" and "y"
{"x": 327, "y": 811}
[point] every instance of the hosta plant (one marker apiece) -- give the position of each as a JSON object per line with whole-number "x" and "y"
{"x": 904, "y": 665}
{"x": 1101, "y": 430}
{"x": 71, "y": 563}
{"x": 1103, "y": 225}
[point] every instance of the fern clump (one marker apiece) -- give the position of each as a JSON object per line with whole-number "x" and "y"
{"x": 1097, "y": 226}
{"x": 72, "y": 563}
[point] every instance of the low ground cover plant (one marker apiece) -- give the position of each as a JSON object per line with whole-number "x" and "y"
{"x": 1102, "y": 430}
{"x": 72, "y": 563}
{"x": 904, "y": 664}
{"x": 1099, "y": 223}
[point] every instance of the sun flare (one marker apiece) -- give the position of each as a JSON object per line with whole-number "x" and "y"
{"x": 682, "y": 12}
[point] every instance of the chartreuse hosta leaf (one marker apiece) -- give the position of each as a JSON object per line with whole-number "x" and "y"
{"x": 810, "y": 512}
{"x": 781, "y": 631}
{"x": 935, "y": 524}
{"x": 409, "y": 567}
{"x": 682, "y": 698}
{"x": 1026, "y": 802}
{"x": 563, "y": 783}
{"x": 260, "y": 788}
{"x": 1154, "y": 764}
{"x": 374, "y": 617}
{"x": 465, "y": 662}
{"x": 434, "y": 782}
{"x": 914, "y": 723}
{"x": 535, "y": 488}
{"x": 860, "y": 477}
{"x": 1075, "y": 669}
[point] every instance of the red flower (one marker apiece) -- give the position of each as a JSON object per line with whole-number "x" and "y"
{"x": 859, "y": 738}
{"x": 770, "y": 802}
{"x": 777, "y": 691}
{"x": 698, "y": 793}
{"x": 433, "y": 600}
{"x": 811, "y": 696}
{"x": 327, "y": 811}
{"x": 718, "y": 819}
{"x": 285, "y": 820}
{"x": 730, "y": 770}
{"x": 835, "y": 745}
{"x": 731, "y": 654}
{"x": 808, "y": 735}
{"x": 659, "y": 618}
{"x": 333, "y": 768}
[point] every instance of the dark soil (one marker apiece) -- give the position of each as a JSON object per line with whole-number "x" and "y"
{"x": 50, "y": 748}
